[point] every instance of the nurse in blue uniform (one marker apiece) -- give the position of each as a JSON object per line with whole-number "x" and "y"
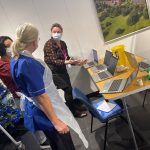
{"x": 44, "y": 109}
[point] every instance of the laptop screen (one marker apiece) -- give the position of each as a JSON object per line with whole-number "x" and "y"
{"x": 132, "y": 76}
{"x": 108, "y": 55}
{"x": 132, "y": 60}
{"x": 112, "y": 65}
{"x": 95, "y": 56}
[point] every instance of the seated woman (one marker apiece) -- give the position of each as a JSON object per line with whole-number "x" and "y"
{"x": 5, "y": 74}
{"x": 44, "y": 109}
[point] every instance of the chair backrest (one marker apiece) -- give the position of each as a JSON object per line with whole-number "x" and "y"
{"x": 77, "y": 94}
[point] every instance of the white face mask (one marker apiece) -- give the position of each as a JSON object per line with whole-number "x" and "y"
{"x": 57, "y": 36}
{"x": 8, "y": 51}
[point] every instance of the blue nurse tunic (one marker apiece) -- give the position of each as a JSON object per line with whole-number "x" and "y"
{"x": 33, "y": 77}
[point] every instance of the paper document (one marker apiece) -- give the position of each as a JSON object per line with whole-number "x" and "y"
{"x": 106, "y": 106}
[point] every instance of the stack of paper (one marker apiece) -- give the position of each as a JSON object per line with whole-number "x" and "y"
{"x": 106, "y": 106}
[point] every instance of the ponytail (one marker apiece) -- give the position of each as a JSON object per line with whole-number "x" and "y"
{"x": 25, "y": 34}
{"x": 17, "y": 47}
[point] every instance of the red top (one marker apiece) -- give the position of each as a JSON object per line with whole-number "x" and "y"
{"x": 6, "y": 77}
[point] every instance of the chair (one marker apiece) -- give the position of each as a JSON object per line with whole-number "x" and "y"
{"x": 12, "y": 118}
{"x": 102, "y": 116}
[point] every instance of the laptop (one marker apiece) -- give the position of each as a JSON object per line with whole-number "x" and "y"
{"x": 114, "y": 86}
{"x": 102, "y": 67}
{"x": 144, "y": 65}
{"x": 92, "y": 63}
{"x": 132, "y": 60}
{"x": 107, "y": 73}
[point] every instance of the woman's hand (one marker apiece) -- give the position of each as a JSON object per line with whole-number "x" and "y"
{"x": 71, "y": 61}
{"x": 82, "y": 61}
{"x": 61, "y": 127}
{"x": 76, "y": 62}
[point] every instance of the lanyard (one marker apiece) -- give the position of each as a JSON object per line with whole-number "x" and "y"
{"x": 64, "y": 52}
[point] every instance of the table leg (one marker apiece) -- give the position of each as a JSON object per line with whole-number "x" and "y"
{"x": 130, "y": 124}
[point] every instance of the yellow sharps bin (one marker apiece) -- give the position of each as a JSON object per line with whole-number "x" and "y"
{"x": 118, "y": 51}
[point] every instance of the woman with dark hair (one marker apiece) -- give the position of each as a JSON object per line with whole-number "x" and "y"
{"x": 6, "y": 41}
{"x": 5, "y": 74}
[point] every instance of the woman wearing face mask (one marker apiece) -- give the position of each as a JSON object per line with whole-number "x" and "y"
{"x": 56, "y": 56}
{"x": 6, "y": 41}
{"x": 5, "y": 74}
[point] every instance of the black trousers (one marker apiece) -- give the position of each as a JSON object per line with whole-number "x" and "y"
{"x": 62, "y": 81}
{"x": 60, "y": 141}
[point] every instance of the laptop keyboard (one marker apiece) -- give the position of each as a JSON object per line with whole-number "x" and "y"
{"x": 100, "y": 67}
{"x": 115, "y": 85}
{"x": 103, "y": 75}
{"x": 144, "y": 65}
{"x": 91, "y": 63}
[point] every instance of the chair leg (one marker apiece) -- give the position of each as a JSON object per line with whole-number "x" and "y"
{"x": 105, "y": 137}
{"x": 144, "y": 98}
{"x": 91, "y": 123}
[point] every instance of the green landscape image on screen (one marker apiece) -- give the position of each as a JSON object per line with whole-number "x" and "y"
{"x": 121, "y": 17}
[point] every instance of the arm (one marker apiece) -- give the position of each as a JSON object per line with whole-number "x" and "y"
{"x": 50, "y": 55}
{"x": 47, "y": 108}
{"x": 71, "y": 60}
{"x": 6, "y": 77}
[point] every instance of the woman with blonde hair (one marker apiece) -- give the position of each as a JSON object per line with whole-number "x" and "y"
{"x": 44, "y": 109}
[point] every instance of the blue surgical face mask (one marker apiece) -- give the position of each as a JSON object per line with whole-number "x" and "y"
{"x": 8, "y": 51}
{"x": 57, "y": 36}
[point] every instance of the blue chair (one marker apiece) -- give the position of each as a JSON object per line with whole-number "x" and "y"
{"x": 102, "y": 116}
{"x": 9, "y": 117}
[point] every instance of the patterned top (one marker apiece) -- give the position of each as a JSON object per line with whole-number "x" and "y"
{"x": 55, "y": 56}
{"x": 5, "y": 76}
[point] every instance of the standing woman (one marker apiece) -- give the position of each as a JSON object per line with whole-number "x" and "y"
{"x": 56, "y": 56}
{"x": 44, "y": 109}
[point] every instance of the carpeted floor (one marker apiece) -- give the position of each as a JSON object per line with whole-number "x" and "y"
{"x": 119, "y": 137}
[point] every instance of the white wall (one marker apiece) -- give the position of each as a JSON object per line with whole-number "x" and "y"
{"x": 81, "y": 29}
